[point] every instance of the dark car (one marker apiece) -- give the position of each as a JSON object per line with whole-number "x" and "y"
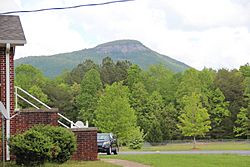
{"x": 107, "y": 143}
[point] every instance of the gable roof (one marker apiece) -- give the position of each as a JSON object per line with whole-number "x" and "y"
{"x": 11, "y": 30}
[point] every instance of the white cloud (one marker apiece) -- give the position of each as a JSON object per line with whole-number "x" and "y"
{"x": 50, "y": 34}
{"x": 7, "y": 5}
{"x": 204, "y": 13}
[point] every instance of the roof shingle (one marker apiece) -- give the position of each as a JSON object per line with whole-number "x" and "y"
{"x": 11, "y": 30}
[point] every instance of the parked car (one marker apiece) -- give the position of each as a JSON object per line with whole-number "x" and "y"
{"x": 107, "y": 143}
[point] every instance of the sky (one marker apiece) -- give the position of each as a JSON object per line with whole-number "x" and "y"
{"x": 201, "y": 33}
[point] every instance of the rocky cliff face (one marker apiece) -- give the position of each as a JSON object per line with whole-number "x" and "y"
{"x": 123, "y": 46}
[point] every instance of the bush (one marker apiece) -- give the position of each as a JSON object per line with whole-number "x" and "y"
{"x": 63, "y": 138}
{"x": 43, "y": 143}
{"x": 135, "y": 140}
{"x": 31, "y": 148}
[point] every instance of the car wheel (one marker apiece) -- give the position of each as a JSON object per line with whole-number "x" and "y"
{"x": 109, "y": 151}
{"x": 116, "y": 151}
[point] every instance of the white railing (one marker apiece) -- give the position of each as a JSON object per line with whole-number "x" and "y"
{"x": 28, "y": 94}
{"x": 78, "y": 124}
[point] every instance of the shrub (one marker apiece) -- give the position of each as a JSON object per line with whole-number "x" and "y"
{"x": 63, "y": 138}
{"x": 43, "y": 143}
{"x": 31, "y": 148}
{"x": 135, "y": 140}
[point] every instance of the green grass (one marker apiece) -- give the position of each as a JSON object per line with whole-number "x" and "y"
{"x": 82, "y": 163}
{"x": 161, "y": 160}
{"x": 200, "y": 146}
{"x": 71, "y": 164}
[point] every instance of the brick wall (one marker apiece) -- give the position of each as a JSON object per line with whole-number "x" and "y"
{"x": 27, "y": 118}
{"x": 86, "y": 144}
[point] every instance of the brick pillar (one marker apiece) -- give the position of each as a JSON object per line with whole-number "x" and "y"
{"x": 3, "y": 81}
{"x": 86, "y": 144}
{"x": 3, "y": 78}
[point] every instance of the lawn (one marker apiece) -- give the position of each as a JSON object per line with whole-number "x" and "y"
{"x": 200, "y": 146}
{"x": 72, "y": 164}
{"x": 83, "y": 164}
{"x": 164, "y": 160}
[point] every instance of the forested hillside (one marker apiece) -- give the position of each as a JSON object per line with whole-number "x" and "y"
{"x": 131, "y": 50}
{"x": 154, "y": 104}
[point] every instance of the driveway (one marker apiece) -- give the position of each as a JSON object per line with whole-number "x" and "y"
{"x": 124, "y": 163}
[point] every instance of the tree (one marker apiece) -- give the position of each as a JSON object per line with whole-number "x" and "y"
{"x": 114, "y": 113}
{"x": 194, "y": 121}
{"x": 27, "y": 76}
{"x": 134, "y": 75}
{"x": 108, "y": 71}
{"x": 159, "y": 78}
{"x": 242, "y": 123}
{"x": 122, "y": 70}
{"x": 61, "y": 96}
{"x": 245, "y": 70}
{"x": 91, "y": 86}
{"x": 190, "y": 83}
{"x": 76, "y": 75}
{"x": 242, "y": 127}
{"x": 138, "y": 101}
{"x": 38, "y": 93}
{"x": 218, "y": 110}
{"x": 168, "y": 121}
{"x": 32, "y": 80}
{"x": 154, "y": 134}
{"x": 154, "y": 110}
{"x": 231, "y": 83}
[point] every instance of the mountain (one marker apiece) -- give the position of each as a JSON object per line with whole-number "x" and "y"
{"x": 131, "y": 50}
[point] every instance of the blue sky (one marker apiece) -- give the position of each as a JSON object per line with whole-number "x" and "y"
{"x": 200, "y": 33}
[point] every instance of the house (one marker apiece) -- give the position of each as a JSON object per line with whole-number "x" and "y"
{"x": 12, "y": 35}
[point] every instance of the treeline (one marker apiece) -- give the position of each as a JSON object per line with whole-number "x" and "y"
{"x": 154, "y": 104}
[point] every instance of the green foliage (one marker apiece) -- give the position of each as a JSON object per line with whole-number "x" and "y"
{"x": 159, "y": 78}
{"x": 218, "y": 110}
{"x": 231, "y": 83}
{"x": 32, "y": 80}
{"x": 154, "y": 134}
{"x": 194, "y": 121}
{"x": 91, "y": 86}
{"x": 190, "y": 83}
{"x": 26, "y": 76}
{"x": 245, "y": 70}
{"x": 111, "y": 72}
{"x": 43, "y": 143}
{"x": 32, "y": 148}
{"x": 134, "y": 75}
{"x": 155, "y": 96}
{"x": 122, "y": 70}
{"x": 135, "y": 138}
{"x": 38, "y": 93}
{"x": 168, "y": 120}
{"x": 242, "y": 127}
{"x": 154, "y": 106}
{"x": 114, "y": 113}
{"x": 76, "y": 75}
{"x": 62, "y": 138}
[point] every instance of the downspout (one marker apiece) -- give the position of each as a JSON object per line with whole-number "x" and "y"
{"x": 7, "y": 99}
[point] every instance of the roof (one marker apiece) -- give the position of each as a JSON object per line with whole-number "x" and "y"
{"x": 11, "y": 30}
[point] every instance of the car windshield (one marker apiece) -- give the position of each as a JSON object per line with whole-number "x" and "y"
{"x": 102, "y": 136}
